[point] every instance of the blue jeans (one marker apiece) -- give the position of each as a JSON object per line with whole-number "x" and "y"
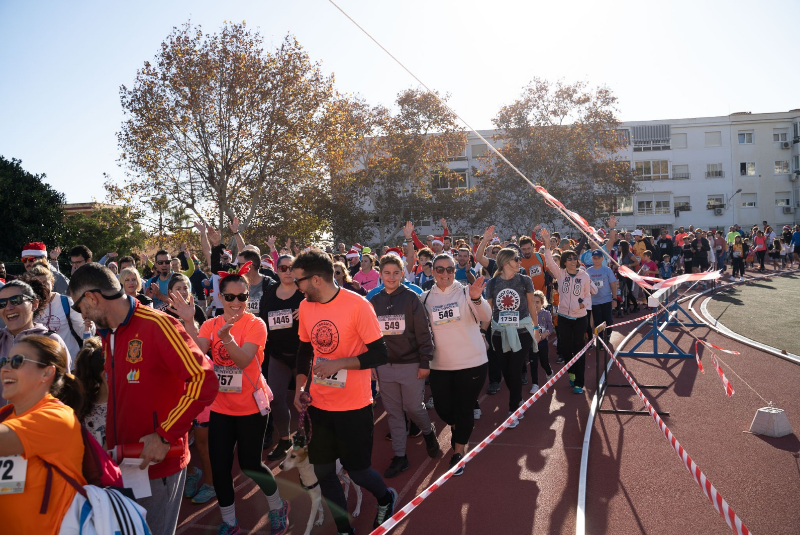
{"x": 721, "y": 257}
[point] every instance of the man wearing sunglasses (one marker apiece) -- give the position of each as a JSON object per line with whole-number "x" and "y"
{"x": 257, "y": 282}
{"x": 37, "y": 252}
{"x": 156, "y": 287}
{"x": 158, "y": 382}
{"x": 341, "y": 337}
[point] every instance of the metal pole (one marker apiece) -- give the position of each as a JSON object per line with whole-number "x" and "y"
{"x": 597, "y": 332}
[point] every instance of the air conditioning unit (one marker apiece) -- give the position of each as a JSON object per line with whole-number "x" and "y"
{"x": 795, "y": 177}
{"x": 787, "y": 209}
{"x": 786, "y": 144}
{"x": 719, "y": 211}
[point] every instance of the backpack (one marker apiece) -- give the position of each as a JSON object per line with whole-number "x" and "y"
{"x": 65, "y": 304}
{"x": 97, "y": 467}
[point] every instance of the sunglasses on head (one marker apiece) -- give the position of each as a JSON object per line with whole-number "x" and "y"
{"x": 441, "y": 269}
{"x": 15, "y": 300}
{"x": 16, "y": 361}
{"x": 241, "y": 297}
{"x": 284, "y": 268}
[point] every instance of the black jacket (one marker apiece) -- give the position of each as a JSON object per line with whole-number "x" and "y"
{"x": 415, "y": 345}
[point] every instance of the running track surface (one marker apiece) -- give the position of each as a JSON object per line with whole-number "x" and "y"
{"x": 526, "y": 481}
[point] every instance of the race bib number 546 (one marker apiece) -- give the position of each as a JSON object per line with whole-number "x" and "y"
{"x": 442, "y": 314}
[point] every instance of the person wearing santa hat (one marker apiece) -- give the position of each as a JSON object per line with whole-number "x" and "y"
{"x": 353, "y": 261}
{"x": 37, "y": 252}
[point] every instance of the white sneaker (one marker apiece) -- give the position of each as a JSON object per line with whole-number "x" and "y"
{"x": 429, "y": 403}
{"x": 550, "y": 375}
{"x": 514, "y": 423}
{"x": 476, "y": 413}
{"x": 534, "y": 389}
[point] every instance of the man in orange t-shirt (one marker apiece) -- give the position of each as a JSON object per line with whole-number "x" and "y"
{"x": 339, "y": 332}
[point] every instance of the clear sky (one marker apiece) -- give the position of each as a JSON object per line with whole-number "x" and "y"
{"x": 63, "y": 62}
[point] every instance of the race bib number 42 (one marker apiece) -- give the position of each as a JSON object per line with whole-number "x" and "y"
{"x": 442, "y": 314}
{"x": 337, "y": 380}
{"x": 13, "y": 470}
{"x": 230, "y": 378}
{"x": 280, "y": 319}
{"x": 391, "y": 325}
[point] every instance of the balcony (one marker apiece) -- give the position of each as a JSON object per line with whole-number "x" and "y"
{"x": 683, "y": 207}
{"x": 681, "y": 176}
{"x": 715, "y": 174}
{"x": 648, "y": 178}
{"x": 714, "y": 206}
{"x": 653, "y": 211}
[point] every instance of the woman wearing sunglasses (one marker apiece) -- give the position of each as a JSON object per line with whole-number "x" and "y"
{"x": 19, "y": 303}
{"x": 40, "y": 424}
{"x": 279, "y": 308}
{"x": 575, "y": 291}
{"x": 459, "y": 364}
{"x": 514, "y": 330}
{"x": 236, "y": 339}
{"x": 342, "y": 277}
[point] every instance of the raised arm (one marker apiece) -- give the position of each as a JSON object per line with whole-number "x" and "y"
{"x": 480, "y": 254}
{"x": 234, "y": 226}
{"x": 550, "y": 264}
{"x": 204, "y": 245}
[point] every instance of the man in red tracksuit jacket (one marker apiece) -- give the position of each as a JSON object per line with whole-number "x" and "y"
{"x": 158, "y": 382}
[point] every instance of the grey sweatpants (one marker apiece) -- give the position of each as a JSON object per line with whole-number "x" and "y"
{"x": 164, "y": 504}
{"x": 402, "y": 392}
{"x": 280, "y": 375}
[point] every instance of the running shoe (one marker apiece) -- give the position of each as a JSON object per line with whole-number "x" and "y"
{"x": 429, "y": 403}
{"x": 550, "y": 375}
{"x": 514, "y": 423}
{"x": 388, "y": 436}
{"x": 577, "y": 390}
{"x": 205, "y": 494}
{"x": 192, "y": 485}
{"x": 493, "y": 389}
{"x": 385, "y": 511}
{"x": 571, "y": 379}
{"x": 432, "y": 443}
{"x": 534, "y": 388}
{"x": 560, "y": 360}
{"x": 524, "y": 378}
{"x": 454, "y": 461}
{"x": 476, "y": 413}
{"x": 414, "y": 430}
{"x": 279, "y": 519}
{"x": 227, "y": 529}
{"x": 280, "y": 450}
{"x": 399, "y": 464}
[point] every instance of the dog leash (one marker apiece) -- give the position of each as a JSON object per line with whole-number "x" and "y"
{"x": 300, "y": 439}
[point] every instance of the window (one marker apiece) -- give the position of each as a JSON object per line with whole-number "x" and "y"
{"x": 714, "y": 139}
{"x": 650, "y": 137}
{"x": 679, "y": 141}
{"x": 682, "y": 204}
{"x": 796, "y": 163}
{"x": 781, "y": 167}
{"x": 714, "y": 170}
{"x": 450, "y": 181}
{"x": 478, "y": 150}
{"x": 457, "y": 152}
{"x": 749, "y": 200}
{"x": 715, "y": 201}
{"x": 653, "y": 204}
{"x": 652, "y": 170}
{"x": 796, "y": 129}
{"x": 745, "y": 138}
{"x": 623, "y": 136}
{"x": 680, "y": 172}
{"x": 747, "y": 168}
{"x": 616, "y": 205}
{"x": 783, "y": 198}
{"x": 779, "y": 136}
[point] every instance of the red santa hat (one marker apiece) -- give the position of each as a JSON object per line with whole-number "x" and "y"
{"x": 395, "y": 251}
{"x": 36, "y": 248}
{"x": 358, "y": 247}
{"x": 437, "y": 240}
{"x": 352, "y": 253}
{"x": 227, "y": 252}
{"x": 267, "y": 262}
{"x": 601, "y": 232}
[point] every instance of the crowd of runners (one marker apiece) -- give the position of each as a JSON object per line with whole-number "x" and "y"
{"x": 214, "y": 350}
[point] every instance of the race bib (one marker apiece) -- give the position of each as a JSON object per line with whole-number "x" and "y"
{"x": 535, "y": 270}
{"x": 337, "y": 380}
{"x": 719, "y": 247}
{"x": 392, "y": 324}
{"x": 598, "y": 283}
{"x": 13, "y": 470}
{"x": 230, "y": 378}
{"x": 253, "y": 306}
{"x": 280, "y": 319}
{"x": 442, "y": 314}
{"x": 737, "y": 254}
{"x": 508, "y": 318}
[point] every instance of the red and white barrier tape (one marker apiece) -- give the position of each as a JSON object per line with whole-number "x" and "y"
{"x": 395, "y": 519}
{"x": 634, "y": 320}
{"x": 720, "y": 504}
{"x": 727, "y": 384}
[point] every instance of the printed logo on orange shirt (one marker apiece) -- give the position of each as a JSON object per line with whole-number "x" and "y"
{"x": 325, "y": 337}
{"x": 134, "y": 352}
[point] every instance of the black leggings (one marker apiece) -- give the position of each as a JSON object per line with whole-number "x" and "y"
{"x": 245, "y": 434}
{"x": 738, "y": 266}
{"x": 455, "y": 393}
{"x": 760, "y": 256}
{"x": 512, "y": 363}
{"x": 570, "y": 337}
{"x": 544, "y": 360}
{"x": 333, "y": 492}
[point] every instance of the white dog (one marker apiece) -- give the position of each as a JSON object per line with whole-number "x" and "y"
{"x": 298, "y": 458}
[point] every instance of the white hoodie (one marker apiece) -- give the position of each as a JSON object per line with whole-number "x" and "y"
{"x": 458, "y": 344}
